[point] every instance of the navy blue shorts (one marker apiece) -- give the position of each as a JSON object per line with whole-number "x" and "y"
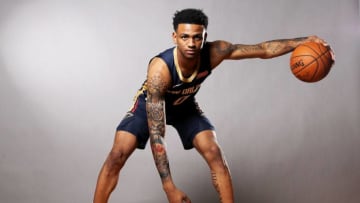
{"x": 188, "y": 121}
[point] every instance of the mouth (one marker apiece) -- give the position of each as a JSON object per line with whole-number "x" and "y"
{"x": 190, "y": 52}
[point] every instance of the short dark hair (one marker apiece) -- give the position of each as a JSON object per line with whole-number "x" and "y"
{"x": 190, "y": 16}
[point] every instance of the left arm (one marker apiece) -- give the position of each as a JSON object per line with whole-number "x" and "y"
{"x": 222, "y": 50}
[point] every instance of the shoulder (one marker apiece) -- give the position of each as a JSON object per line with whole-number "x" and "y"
{"x": 219, "y": 50}
{"x": 158, "y": 73}
{"x": 167, "y": 55}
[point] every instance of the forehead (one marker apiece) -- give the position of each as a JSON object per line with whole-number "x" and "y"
{"x": 190, "y": 28}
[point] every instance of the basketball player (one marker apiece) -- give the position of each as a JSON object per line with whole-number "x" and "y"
{"x": 167, "y": 97}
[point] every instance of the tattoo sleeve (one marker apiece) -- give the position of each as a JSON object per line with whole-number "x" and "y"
{"x": 226, "y": 49}
{"x": 267, "y": 49}
{"x": 280, "y": 47}
{"x": 156, "y": 122}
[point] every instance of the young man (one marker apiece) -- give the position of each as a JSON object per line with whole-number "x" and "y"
{"x": 167, "y": 97}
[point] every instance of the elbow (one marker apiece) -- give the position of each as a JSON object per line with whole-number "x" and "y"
{"x": 266, "y": 56}
{"x": 265, "y": 52}
{"x": 271, "y": 54}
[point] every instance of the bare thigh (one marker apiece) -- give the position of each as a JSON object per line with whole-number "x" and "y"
{"x": 124, "y": 145}
{"x": 125, "y": 141}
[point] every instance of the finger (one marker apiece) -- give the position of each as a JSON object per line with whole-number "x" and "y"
{"x": 331, "y": 51}
{"x": 324, "y": 43}
{"x": 332, "y": 56}
{"x": 186, "y": 200}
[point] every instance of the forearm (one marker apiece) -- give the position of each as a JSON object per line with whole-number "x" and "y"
{"x": 280, "y": 47}
{"x": 156, "y": 121}
{"x": 161, "y": 161}
{"x": 269, "y": 49}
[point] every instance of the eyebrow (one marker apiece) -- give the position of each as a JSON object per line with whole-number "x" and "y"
{"x": 194, "y": 35}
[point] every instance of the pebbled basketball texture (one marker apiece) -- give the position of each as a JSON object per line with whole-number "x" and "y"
{"x": 311, "y": 61}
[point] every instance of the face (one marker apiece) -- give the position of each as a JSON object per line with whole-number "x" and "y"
{"x": 189, "y": 39}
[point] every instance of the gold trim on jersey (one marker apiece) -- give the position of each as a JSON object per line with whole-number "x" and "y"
{"x": 138, "y": 93}
{"x": 178, "y": 69}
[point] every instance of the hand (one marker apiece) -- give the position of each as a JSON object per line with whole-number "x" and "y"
{"x": 177, "y": 196}
{"x": 315, "y": 38}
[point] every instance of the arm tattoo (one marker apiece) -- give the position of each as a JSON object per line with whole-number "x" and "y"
{"x": 282, "y": 46}
{"x": 268, "y": 49}
{"x": 156, "y": 121}
{"x": 226, "y": 49}
{"x": 237, "y": 51}
{"x": 247, "y": 48}
{"x": 216, "y": 184}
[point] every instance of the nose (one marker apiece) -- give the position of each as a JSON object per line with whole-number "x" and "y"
{"x": 191, "y": 43}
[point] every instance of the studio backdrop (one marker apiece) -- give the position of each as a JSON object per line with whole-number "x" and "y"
{"x": 70, "y": 69}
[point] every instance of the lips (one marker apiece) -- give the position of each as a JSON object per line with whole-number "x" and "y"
{"x": 190, "y": 52}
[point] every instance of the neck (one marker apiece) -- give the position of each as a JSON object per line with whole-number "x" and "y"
{"x": 187, "y": 68}
{"x": 187, "y": 65}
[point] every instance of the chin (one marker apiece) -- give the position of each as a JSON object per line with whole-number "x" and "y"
{"x": 192, "y": 55}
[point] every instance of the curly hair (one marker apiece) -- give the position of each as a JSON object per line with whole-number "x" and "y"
{"x": 191, "y": 16}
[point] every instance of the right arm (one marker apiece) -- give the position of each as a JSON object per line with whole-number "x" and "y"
{"x": 158, "y": 81}
{"x": 155, "y": 107}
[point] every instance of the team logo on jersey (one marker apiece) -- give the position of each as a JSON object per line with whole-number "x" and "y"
{"x": 177, "y": 85}
{"x": 128, "y": 115}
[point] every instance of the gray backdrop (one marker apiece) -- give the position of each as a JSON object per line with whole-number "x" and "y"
{"x": 69, "y": 71}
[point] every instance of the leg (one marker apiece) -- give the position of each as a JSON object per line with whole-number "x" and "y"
{"x": 124, "y": 144}
{"x": 206, "y": 144}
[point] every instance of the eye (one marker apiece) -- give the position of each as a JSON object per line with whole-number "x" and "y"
{"x": 198, "y": 37}
{"x": 184, "y": 37}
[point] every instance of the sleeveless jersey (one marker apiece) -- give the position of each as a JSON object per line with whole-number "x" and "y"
{"x": 181, "y": 94}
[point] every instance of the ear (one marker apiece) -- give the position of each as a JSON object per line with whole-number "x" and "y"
{"x": 174, "y": 37}
{"x": 204, "y": 39}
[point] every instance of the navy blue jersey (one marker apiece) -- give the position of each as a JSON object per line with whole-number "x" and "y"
{"x": 182, "y": 90}
{"x": 181, "y": 109}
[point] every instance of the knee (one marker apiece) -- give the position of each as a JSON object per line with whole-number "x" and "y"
{"x": 116, "y": 160}
{"x": 213, "y": 154}
{"x": 215, "y": 159}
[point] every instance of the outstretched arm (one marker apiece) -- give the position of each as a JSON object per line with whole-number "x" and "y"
{"x": 158, "y": 80}
{"x": 269, "y": 49}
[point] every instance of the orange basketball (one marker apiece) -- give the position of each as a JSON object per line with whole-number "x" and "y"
{"x": 311, "y": 61}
